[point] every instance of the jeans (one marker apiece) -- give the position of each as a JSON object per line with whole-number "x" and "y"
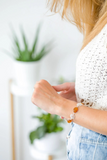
{"x": 85, "y": 144}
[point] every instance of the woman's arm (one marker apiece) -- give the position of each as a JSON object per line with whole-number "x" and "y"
{"x": 46, "y": 97}
{"x": 92, "y": 119}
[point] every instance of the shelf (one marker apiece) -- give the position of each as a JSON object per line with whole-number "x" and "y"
{"x": 20, "y": 91}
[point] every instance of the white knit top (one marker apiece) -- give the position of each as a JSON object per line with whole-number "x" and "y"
{"x": 91, "y": 73}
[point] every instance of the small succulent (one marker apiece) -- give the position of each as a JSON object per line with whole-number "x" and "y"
{"x": 26, "y": 54}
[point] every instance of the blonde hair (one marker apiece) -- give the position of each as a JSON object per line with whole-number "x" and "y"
{"x": 90, "y": 16}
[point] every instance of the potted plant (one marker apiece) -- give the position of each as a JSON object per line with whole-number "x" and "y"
{"x": 47, "y": 137}
{"x": 26, "y": 60}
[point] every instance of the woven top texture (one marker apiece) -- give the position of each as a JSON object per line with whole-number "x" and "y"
{"x": 91, "y": 73}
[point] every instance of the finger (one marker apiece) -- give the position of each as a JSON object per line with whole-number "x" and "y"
{"x": 62, "y": 87}
{"x": 65, "y": 92}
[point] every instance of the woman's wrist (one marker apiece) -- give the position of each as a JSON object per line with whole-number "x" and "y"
{"x": 87, "y": 117}
{"x": 66, "y": 108}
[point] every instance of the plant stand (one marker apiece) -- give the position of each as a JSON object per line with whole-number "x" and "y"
{"x": 18, "y": 91}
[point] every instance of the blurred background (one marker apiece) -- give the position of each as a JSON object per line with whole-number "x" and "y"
{"x": 58, "y": 66}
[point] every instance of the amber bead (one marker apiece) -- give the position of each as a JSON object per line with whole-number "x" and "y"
{"x": 75, "y": 109}
{"x": 69, "y": 121}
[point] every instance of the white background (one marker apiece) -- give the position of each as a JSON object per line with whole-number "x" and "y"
{"x": 60, "y": 62}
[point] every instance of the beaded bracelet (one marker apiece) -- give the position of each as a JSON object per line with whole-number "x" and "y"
{"x": 72, "y": 116}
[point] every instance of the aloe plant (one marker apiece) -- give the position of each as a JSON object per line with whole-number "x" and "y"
{"x": 26, "y": 54}
{"x": 49, "y": 123}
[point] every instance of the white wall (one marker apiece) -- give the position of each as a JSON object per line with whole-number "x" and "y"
{"x": 60, "y": 62}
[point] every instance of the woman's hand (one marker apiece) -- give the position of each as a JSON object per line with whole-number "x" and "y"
{"x": 45, "y": 97}
{"x": 67, "y": 90}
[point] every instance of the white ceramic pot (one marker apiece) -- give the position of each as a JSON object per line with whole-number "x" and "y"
{"x": 26, "y": 73}
{"x": 50, "y": 142}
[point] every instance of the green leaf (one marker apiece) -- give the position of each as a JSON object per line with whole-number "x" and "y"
{"x": 57, "y": 119}
{"x": 37, "y": 134}
{"x": 17, "y": 45}
{"x": 58, "y": 129}
{"x": 32, "y": 136}
{"x": 16, "y": 40}
{"x": 42, "y": 118}
{"x": 44, "y": 51}
{"x": 51, "y": 127}
{"x": 41, "y": 54}
{"x": 35, "y": 41}
{"x": 24, "y": 39}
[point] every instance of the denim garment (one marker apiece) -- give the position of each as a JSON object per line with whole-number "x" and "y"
{"x": 85, "y": 144}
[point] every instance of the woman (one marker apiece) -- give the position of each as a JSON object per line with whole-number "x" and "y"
{"x": 83, "y": 103}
